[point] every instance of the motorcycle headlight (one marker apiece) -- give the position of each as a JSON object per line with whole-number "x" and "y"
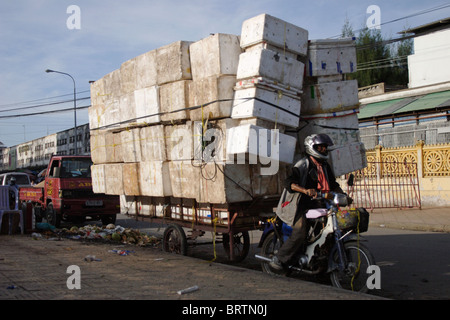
{"x": 340, "y": 199}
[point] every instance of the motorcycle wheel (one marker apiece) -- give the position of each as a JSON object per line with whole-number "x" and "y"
{"x": 355, "y": 276}
{"x": 269, "y": 248}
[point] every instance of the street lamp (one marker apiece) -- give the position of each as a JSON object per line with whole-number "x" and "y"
{"x": 74, "y": 103}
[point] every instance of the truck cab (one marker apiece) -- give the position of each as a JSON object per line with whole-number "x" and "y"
{"x": 66, "y": 193}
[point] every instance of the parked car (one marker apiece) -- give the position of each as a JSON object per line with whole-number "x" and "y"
{"x": 22, "y": 179}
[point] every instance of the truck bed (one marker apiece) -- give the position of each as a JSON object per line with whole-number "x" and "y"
{"x": 35, "y": 194}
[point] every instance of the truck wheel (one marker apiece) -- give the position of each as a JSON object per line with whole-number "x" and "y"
{"x": 53, "y": 218}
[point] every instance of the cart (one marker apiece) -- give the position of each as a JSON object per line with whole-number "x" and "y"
{"x": 229, "y": 223}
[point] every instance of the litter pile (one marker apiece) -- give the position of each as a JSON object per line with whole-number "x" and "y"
{"x": 111, "y": 233}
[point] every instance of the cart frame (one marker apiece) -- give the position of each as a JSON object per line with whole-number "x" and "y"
{"x": 240, "y": 219}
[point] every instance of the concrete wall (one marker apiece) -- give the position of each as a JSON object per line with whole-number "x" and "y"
{"x": 430, "y": 61}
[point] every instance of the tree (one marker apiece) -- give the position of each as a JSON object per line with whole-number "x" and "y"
{"x": 377, "y": 60}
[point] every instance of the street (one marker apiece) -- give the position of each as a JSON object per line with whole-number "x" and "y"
{"x": 413, "y": 264}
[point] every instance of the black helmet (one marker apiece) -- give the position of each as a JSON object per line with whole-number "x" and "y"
{"x": 316, "y": 139}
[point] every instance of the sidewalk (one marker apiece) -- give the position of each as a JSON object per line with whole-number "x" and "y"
{"x": 38, "y": 269}
{"x": 431, "y": 219}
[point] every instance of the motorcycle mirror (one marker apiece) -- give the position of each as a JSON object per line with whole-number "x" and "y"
{"x": 350, "y": 180}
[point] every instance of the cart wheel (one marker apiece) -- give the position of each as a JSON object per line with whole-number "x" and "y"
{"x": 241, "y": 245}
{"x": 174, "y": 240}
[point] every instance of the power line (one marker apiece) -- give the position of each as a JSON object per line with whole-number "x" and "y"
{"x": 41, "y": 99}
{"x": 41, "y": 113}
{"x": 45, "y": 105}
{"x": 440, "y": 7}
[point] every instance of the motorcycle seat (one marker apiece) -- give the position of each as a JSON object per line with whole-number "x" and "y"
{"x": 316, "y": 213}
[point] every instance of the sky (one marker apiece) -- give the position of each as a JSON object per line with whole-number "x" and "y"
{"x": 100, "y": 35}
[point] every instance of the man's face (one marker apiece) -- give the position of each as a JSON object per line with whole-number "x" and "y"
{"x": 322, "y": 148}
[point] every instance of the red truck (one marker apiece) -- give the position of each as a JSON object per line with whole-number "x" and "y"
{"x": 66, "y": 194}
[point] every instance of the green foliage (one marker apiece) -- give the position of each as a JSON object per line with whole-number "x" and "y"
{"x": 378, "y": 61}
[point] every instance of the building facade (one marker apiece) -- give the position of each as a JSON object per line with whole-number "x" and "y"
{"x": 36, "y": 154}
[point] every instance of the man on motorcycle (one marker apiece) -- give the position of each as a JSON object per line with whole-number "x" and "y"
{"x": 309, "y": 174}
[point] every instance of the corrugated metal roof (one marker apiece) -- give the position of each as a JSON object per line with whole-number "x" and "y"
{"x": 371, "y": 109}
{"x": 429, "y": 101}
{"x": 402, "y": 105}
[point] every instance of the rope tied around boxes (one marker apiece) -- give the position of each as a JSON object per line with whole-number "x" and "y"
{"x": 130, "y": 121}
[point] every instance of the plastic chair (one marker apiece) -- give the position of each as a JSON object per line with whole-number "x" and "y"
{"x": 5, "y": 207}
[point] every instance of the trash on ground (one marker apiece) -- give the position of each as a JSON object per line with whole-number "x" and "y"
{"x": 92, "y": 232}
{"x": 187, "y": 290}
{"x": 121, "y": 252}
{"x": 90, "y": 258}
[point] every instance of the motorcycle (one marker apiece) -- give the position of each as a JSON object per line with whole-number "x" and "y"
{"x": 333, "y": 244}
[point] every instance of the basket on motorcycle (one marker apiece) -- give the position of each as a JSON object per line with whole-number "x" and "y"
{"x": 353, "y": 219}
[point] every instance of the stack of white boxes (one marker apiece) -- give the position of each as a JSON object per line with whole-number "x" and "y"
{"x": 202, "y": 121}
{"x": 330, "y": 104}
{"x": 269, "y": 83}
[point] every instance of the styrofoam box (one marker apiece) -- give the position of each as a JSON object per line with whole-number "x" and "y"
{"x": 215, "y": 187}
{"x": 146, "y": 74}
{"x": 128, "y": 80}
{"x": 205, "y": 91}
{"x": 268, "y": 84}
{"x": 328, "y": 57}
{"x": 260, "y": 143}
{"x": 269, "y": 64}
{"x": 342, "y": 129}
{"x": 127, "y": 109}
{"x": 173, "y": 62}
{"x": 113, "y": 178}
{"x": 98, "y": 146}
{"x": 112, "y": 85}
{"x": 131, "y": 145}
{"x": 266, "y": 104}
{"x": 94, "y": 113}
{"x": 210, "y": 139}
{"x": 154, "y": 179}
{"x": 179, "y": 141}
{"x": 348, "y": 158}
{"x": 330, "y": 97}
{"x": 98, "y": 95}
{"x": 147, "y": 105}
{"x": 98, "y": 178}
{"x": 110, "y": 113}
{"x": 153, "y": 144}
{"x": 184, "y": 177}
{"x": 281, "y": 51}
{"x": 174, "y": 96}
{"x": 266, "y": 28}
{"x": 215, "y": 55}
{"x": 151, "y": 206}
{"x": 130, "y": 173}
{"x": 267, "y": 184}
{"x": 113, "y": 147}
{"x": 128, "y": 204}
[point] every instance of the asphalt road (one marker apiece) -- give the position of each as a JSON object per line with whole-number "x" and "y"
{"x": 413, "y": 264}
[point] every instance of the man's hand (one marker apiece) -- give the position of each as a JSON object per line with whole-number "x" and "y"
{"x": 309, "y": 192}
